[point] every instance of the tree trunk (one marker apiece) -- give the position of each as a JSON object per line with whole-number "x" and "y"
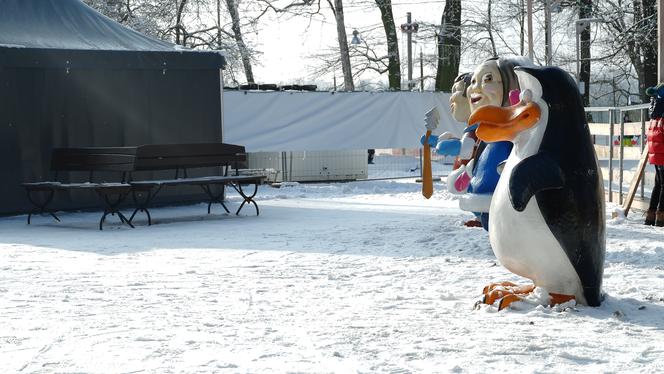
{"x": 522, "y": 28}
{"x": 648, "y": 47}
{"x": 239, "y": 40}
{"x": 338, "y": 10}
{"x": 489, "y": 29}
{"x": 178, "y": 22}
{"x": 449, "y": 46}
{"x": 394, "y": 65}
{"x": 585, "y": 11}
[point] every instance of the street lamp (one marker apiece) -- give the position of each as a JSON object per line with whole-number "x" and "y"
{"x": 356, "y": 38}
{"x": 581, "y": 24}
{"x": 419, "y": 45}
{"x": 409, "y": 28}
{"x": 550, "y": 6}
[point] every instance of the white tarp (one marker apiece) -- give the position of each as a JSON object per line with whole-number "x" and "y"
{"x": 307, "y": 121}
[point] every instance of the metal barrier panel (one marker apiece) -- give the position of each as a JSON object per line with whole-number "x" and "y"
{"x": 393, "y": 163}
{"x": 627, "y": 145}
{"x": 376, "y": 164}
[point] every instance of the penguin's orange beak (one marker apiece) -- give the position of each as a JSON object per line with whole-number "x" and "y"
{"x": 504, "y": 124}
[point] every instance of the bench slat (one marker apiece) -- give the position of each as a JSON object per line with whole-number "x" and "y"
{"x": 201, "y": 180}
{"x": 180, "y": 156}
{"x": 75, "y": 160}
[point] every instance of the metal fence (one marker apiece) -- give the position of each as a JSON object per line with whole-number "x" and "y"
{"x": 317, "y": 166}
{"x": 627, "y": 144}
{"x": 618, "y": 135}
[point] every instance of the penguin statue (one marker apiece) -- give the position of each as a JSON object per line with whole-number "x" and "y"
{"x": 547, "y": 213}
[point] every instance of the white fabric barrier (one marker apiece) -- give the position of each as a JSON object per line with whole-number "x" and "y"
{"x": 307, "y": 121}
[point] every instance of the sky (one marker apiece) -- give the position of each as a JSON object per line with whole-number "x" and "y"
{"x": 287, "y": 45}
{"x": 329, "y": 278}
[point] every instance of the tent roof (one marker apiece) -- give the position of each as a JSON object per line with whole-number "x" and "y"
{"x": 67, "y": 28}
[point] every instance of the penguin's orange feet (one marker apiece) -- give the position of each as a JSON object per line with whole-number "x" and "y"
{"x": 507, "y": 300}
{"x": 557, "y": 298}
{"x": 492, "y": 296}
{"x": 506, "y": 292}
{"x": 493, "y": 286}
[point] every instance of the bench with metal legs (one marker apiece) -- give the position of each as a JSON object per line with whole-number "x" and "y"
{"x": 113, "y": 197}
{"x": 40, "y": 204}
{"x": 248, "y": 199}
{"x": 153, "y": 157}
{"x": 152, "y": 188}
{"x": 214, "y": 197}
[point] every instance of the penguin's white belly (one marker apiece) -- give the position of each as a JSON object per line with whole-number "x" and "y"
{"x": 523, "y": 243}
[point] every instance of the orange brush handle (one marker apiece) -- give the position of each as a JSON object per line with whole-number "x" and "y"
{"x": 427, "y": 179}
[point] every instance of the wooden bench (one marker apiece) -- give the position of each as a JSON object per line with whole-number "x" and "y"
{"x": 181, "y": 158}
{"x": 128, "y": 162}
{"x": 119, "y": 160}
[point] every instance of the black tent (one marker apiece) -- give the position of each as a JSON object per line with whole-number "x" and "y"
{"x": 71, "y": 77}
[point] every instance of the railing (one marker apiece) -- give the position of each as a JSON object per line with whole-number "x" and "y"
{"x": 627, "y": 131}
{"x": 610, "y": 146}
{"x": 631, "y": 121}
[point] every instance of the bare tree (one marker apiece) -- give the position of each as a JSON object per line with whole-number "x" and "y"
{"x": 139, "y": 15}
{"x": 631, "y": 31}
{"x": 344, "y": 54}
{"x": 479, "y": 31}
{"x": 239, "y": 40}
{"x": 368, "y": 55}
{"x": 394, "y": 64}
{"x": 449, "y": 46}
{"x": 489, "y": 29}
{"x": 521, "y": 17}
{"x": 585, "y": 11}
{"x": 310, "y": 8}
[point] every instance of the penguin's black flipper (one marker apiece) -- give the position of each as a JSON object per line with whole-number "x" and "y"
{"x": 536, "y": 173}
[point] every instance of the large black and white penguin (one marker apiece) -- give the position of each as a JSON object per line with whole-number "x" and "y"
{"x": 547, "y": 214}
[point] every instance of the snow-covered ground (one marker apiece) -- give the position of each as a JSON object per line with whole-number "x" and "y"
{"x": 347, "y": 277}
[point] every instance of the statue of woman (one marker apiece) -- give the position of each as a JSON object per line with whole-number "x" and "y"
{"x": 490, "y": 84}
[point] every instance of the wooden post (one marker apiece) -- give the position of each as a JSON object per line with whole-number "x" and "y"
{"x": 627, "y": 204}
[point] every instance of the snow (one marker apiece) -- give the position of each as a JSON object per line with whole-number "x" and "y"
{"x": 342, "y": 277}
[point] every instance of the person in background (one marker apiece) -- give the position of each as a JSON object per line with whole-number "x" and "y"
{"x": 371, "y": 153}
{"x": 655, "y": 214}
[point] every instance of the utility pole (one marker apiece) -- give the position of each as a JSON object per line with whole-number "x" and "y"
{"x": 421, "y": 70}
{"x": 221, "y": 72}
{"x": 531, "y": 55}
{"x": 219, "y": 24}
{"x": 409, "y": 28}
{"x": 582, "y": 25}
{"x": 548, "y": 55}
